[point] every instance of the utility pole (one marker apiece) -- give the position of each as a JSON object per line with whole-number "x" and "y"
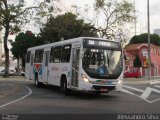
{"x": 135, "y": 27}
{"x": 0, "y": 42}
{"x": 149, "y": 59}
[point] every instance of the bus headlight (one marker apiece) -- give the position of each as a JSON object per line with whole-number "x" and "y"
{"x": 120, "y": 81}
{"x": 85, "y": 78}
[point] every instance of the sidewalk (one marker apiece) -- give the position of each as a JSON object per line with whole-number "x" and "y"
{"x": 143, "y": 80}
{"x": 13, "y": 78}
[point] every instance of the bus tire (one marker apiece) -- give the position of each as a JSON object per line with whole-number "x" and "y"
{"x": 63, "y": 86}
{"x": 37, "y": 83}
{"x": 97, "y": 92}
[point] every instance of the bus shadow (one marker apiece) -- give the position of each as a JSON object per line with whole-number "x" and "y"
{"x": 91, "y": 95}
{"x": 78, "y": 94}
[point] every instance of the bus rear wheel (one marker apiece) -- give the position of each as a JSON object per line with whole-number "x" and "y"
{"x": 37, "y": 83}
{"x": 63, "y": 87}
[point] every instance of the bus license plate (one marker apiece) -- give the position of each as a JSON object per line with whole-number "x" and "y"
{"x": 103, "y": 90}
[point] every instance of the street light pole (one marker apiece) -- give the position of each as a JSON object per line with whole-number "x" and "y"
{"x": 149, "y": 59}
{"x": 135, "y": 17}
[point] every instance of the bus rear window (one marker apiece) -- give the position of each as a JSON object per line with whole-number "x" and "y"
{"x": 28, "y": 56}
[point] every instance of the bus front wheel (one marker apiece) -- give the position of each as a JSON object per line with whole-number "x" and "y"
{"x": 97, "y": 92}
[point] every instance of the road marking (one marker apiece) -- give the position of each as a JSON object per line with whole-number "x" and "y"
{"x": 126, "y": 91}
{"x": 30, "y": 92}
{"x": 157, "y": 86}
{"x": 155, "y": 100}
{"x": 148, "y": 91}
{"x": 154, "y": 81}
{"x": 139, "y": 90}
{"x": 145, "y": 94}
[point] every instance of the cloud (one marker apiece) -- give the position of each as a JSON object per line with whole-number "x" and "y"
{"x": 155, "y": 8}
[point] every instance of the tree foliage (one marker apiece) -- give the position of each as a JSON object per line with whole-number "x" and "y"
{"x": 66, "y": 26}
{"x": 137, "y": 62}
{"x": 116, "y": 15}
{"x": 13, "y": 14}
{"x": 143, "y": 38}
{"x": 22, "y": 42}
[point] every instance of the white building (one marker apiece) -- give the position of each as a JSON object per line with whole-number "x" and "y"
{"x": 13, "y": 63}
{"x": 157, "y": 31}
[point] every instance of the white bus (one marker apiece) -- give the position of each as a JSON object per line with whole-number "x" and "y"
{"x": 84, "y": 63}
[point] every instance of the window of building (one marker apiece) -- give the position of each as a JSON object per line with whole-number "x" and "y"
{"x": 158, "y": 51}
{"x": 155, "y": 52}
{"x": 152, "y": 52}
{"x": 144, "y": 50}
{"x": 131, "y": 64}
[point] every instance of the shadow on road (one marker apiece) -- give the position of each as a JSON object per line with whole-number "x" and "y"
{"x": 77, "y": 94}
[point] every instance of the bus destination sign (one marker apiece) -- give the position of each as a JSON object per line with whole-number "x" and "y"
{"x": 100, "y": 43}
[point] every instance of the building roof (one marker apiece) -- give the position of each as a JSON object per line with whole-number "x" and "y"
{"x": 138, "y": 46}
{"x": 129, "y": 56}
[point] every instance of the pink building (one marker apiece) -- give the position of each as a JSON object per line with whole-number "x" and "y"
{"x": 142, "y": 51}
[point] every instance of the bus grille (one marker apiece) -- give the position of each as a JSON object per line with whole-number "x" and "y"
{"x": 103, "y": 87}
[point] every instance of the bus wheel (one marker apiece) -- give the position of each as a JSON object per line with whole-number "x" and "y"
{"x": 37, "y": 83}
{"x": 97, "y": 92}
{"x": 64, "y": 88}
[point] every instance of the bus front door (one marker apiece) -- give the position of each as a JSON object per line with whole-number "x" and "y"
{"x": 45, "y": 72}
{"x": 75, "y": 67}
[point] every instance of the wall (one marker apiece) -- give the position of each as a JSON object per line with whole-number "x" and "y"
{"x": 155, "y": 59}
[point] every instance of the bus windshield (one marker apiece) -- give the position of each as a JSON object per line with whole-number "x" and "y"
{"x": 102, "y": 63}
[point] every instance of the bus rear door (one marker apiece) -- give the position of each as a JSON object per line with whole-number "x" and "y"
{"x": 31, "y": 76}
{"x": 75, "y": 64}
{"x": 45, "y": 72}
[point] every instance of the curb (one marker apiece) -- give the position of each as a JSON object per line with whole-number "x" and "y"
{"x": 141, "y": 81}
{"x": 13, "y": 78}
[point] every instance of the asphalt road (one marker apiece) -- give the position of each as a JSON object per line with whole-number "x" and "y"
{"x": 22, "y": 97}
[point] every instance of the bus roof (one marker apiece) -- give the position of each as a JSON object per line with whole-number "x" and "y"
{"x": 65, "y": 42}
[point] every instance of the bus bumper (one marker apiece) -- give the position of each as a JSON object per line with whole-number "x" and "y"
{"x": 102, "y": 88}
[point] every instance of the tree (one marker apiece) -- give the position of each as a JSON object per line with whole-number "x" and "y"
{"x": 22, "y": 42}
{"x": 116, "y": 15}
{"x": 64, "y": 27}
{"x": 143, "y": 38}
{"x": 137, "y": 62}
{"x": 13, "y": 14}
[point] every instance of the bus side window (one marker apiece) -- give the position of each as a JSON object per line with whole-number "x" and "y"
{"x": 32, "y": 59}
{"x": 51, "y": 55}
{"x": 28, "y": 57}
{"x": 66, "y": 53}
{"x": 57, "y": 54}
{"x": 38, "y": 56}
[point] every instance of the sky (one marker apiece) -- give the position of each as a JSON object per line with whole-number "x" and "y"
{"x": 140, "y": 6}
{"x": 141, "y": 13}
